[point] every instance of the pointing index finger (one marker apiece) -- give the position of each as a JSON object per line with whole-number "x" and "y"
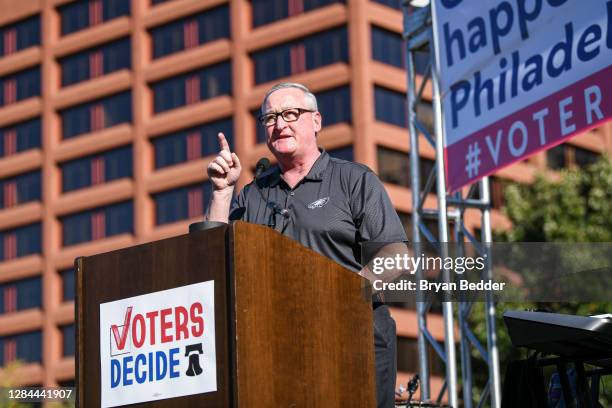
{"x": 223, "y": 142}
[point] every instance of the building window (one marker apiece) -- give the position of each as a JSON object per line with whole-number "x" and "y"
{"x": 97, "y": 169}
{"x": 584, "y": 157}
{"x": 432, "y": 226}
{"x": 335, "y": 105}
{"x": 408, "y": 357}
{"x": 19, "y": 36}
{"x": 81, "y": 14}
{"x": 390, "y": 106}
{"x": 426, "y": 247}
{"x": 426, "y": 167}
{"x": 299, "y": 56}
{"x": 96, "y": 62}
{"x": 67, "y": 383}
{"x": 396, "y": 4}
{"x": 191, "y": 32}
{"x": 68, "y": 340}
{"x": 393, "y": 166}
{"x": 20, "y": 189}
{"x": 497, "y": 187}
{"x": 191, "y": 144}
{"x": 192, "y": 87}
{"x": 20, "y": 295}
{"x": 556, "y": 157}
{"x": 268, "y": 11}
{"x": 181, "y": 203}
{"x": 97, "y": 223}
{"x": 421, "y": 62}
{"x": 387, "y": 47}
{"x": 97, "y": 115}
{"x": 343, "y": 153}
{"x": 68, "y": 284}
{"x": 425, "y": 116}
{"x": 19, "y": 86}
{"x": 25, "y": 347}
{"x": 20, "y": 242}
{"x": 565, "y": 155}
{"x": 20, "y": 137}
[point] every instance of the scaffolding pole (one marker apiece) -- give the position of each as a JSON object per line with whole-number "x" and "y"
{"x": 418, "y": 36}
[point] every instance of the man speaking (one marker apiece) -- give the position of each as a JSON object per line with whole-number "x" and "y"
{"x": 326, "y": 204}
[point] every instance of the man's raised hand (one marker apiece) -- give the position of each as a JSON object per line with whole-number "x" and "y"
{"x": 225, "y": 169}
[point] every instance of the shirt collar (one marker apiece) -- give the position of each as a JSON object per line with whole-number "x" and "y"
{"x": 319, "y": 166}
{"x": 273, "y": 174}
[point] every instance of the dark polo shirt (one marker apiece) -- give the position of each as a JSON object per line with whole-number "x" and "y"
{"x": 334, "y": 208}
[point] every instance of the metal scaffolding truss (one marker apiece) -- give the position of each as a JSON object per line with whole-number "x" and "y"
{"x": 418, "y": 36}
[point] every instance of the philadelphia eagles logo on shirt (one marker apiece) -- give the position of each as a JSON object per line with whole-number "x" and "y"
{"x": 318, "y": 203}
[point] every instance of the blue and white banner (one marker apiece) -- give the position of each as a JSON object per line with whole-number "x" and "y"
{"x": 519, "y": 76}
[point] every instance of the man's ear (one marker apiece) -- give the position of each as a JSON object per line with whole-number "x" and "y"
{"x": 317, "y": 121}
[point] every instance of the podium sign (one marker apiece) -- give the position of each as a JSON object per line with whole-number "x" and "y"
{"x": 159, "y": 345}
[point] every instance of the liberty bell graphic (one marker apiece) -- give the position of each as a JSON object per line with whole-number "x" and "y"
{"x": 194, "y": 351}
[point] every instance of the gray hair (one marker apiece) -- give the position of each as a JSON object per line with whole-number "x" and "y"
{"x": 311, "y": 100}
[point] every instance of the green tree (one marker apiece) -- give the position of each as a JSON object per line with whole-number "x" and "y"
{"x": 9, "y": 380}
{"x": 575, "y": 208}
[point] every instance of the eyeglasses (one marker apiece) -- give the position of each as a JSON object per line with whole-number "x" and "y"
{"x": 288, "y": 115}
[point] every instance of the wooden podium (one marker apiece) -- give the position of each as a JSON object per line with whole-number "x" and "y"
{"x": 293, "y": 329}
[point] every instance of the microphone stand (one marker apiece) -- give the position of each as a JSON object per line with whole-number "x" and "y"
{"x": 262, "y": 165}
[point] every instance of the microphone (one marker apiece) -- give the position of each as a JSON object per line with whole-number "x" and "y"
{"x": 278, "y": 209}
{"x": 262, "y": 165}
